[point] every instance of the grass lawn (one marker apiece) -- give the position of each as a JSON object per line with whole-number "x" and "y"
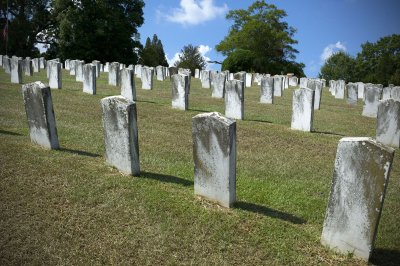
{"x": 68, "y": 207}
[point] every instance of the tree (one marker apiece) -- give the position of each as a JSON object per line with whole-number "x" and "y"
{"x": 191, "y": 58}
{"x": 27, "y": 20}
{"x": 339, "y": 66}
{"x": 103, "y": 29}
{"x": 259, "y": 41}
{"x": 153, "y": 53}
{"x": 380, "y": 62}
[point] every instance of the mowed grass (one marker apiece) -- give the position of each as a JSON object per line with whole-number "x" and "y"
{"x": 68, "y": 207}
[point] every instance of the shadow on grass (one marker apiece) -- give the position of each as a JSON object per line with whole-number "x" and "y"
{"x": 5, "y": 132}
{"x": 258, "y": 120}
{"x": 201, "y": 111}
{"x": 251, "y": 207}
{"x": 83, "y": 153}
{"x": 144, "y": 101}
{"x": 167, "y": 179}
{"x": 385, "y": 257}
{"x": 328, "y": 133}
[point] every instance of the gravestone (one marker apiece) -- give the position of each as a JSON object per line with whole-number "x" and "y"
{"x": 218, "y": 85}
{"x": 303, "y": 83}
{"x": 66, "y": 64}
{"x": 1, "y": 60}
{"x": 231, "y": 76}
{"x": 89, "y": 79}
{"x": 197, "y": 73}
{"x": 40, "y": 115}
{"x": 147, "y": 78}
{"x": 28, "y": 69}
{"x": 72, "y": 67}
{"x": 388, "y": 123}
{"x": 386, "y": 93}
{"x": 249, "y": 80}
{"x": 293, "y": 81}
{"x": 214, "y": 155}
{"x": 42, "y": 63}
{"x": 121, "y": 134}
{"x": 352, "y": 93}
{"x": 107, "y": 67}
{"x": 303, "y": 109}
{"x": 234, "y": 99}
{"x": 395, "y": 93}
{"x": 180, "y": 91}
{"x": 278, "y": 86}
{"x": 240, "y": 76}
{"x": 372, "y": 95}
{"x": 17, "y": 66}
{"x": 173, "y": 71}
{"x": 55, "y": 75}
{"x": 285, "y": 82}
{"x": 35, "y": 65}
{"x": 340, "y": 89}
{"x": 128, "y": 88}
{"x": 113, "y": 74}
{"x": 79, "y": 70}
{"x": 267, "y": 90}
{"x": 187, "y": 72}
{"x": 360, "y": 89}
{"x": 360, "y": 178}
{"x": 96, "y": 63}
{"x": 160, "y": 73}
{"x": 317, "y": 87}
{"x": 205, "y": 79}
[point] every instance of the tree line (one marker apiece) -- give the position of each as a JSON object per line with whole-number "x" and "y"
{"x": 377, "y": 63}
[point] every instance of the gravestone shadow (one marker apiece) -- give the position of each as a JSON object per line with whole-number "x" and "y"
{"x": 5, "y": 132}
{"x": 258, "y": 121}
{"x": 255, "y": 208}
{"x": 167, "y": 179}
{"x": 327, "y": 133}
{"x": 83, "y": 153}
{"x": 385, "y": 257}
{"x": 145, "y": 101}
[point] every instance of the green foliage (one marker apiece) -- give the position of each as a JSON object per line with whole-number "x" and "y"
{"x": 153, "y": 53}
{"x": 262, "y": 38}
{"x": 101, "y": 30}
{"x": 339, "y": 66}
{"x": 191, "y": 58}
{"x": 27, "y": 20}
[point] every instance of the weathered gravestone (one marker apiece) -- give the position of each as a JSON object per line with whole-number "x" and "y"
{"x": 121, "y": 134}
{"x": 293, "y": 81}
{"x": 55, "y": 74}
{"x": 303, "y": 109}
{"x": 214, "y": 155}
{"x": 360, "y": 90}
{"x": 352, "y": 93}
{"x": 7, "y": 64}
{"x": 66, "y": 64}
{"x": 72, "y": 67}
{"x": 40, "y": 115}
{"x": 180, "y": 91}
{"x": 89, "y": 79}
{"x": 340, "y": 89}
{"x": 17, "y": 66}
{"x": 97, "y": 64}
{"x": 160, "y": 73}
{"x": 205, "y": 79}
{"x": 147, "y": 78}
{"x": 79, "y": 70}
{"x": 1, "y": 60}
{"x": 35, "y": 65}
{"x": 128, "y": 88}
{"x": 388, "y": 123}
{"x": 42, "y": 63}
{"x": 278, "y": 86}
{"x": 234, "y": 99}
{"x": 386, "y": 93}
{"x": 249, "y": 80}
{"x": 28, "y": 69}
{"x": 240, "y": 76}
{"x": 107, "y": 67}
{"x": 218, "y": 85}
{"x": 317, "y": 87}
{"x": 173, "y": 71}
{"x": 113, "y": 74}
{"x": 197, "y": 73}
{"x": 372, "y": 95}
{"x": 267, "y": 90}
{"x": 395, "y": 93}
{"x": 360, "y": 178}
{"x": 303, "y": 83}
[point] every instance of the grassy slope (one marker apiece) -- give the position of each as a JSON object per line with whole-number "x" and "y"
{"x": 68, "y": 207}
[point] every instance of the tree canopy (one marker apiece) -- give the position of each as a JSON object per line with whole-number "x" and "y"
{"x": 153, "y": 53}
{"x": 259, "y": 41}
{"x": 191, "y": 58}
{"x": 376, "y": 63}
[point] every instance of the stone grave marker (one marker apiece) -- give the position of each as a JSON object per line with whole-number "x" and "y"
{"x": 303, "y": 109}
{"x": 234, "y": 99}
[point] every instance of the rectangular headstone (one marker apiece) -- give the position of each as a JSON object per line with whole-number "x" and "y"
{"x": 352, "y": 93}
{"x": 72, "y": 67}
{"x": 214, "y": 155}
{"x": 42, "y": 63}
{"x": 55, "y": 74}
{"x": 249, "y": 80}
{"x": 386, "y": 93}
{"x": 303, "y": 109}
{"x": 40, "y": 115}
{"x": 121, "y": 134}
{"x": 113, "y": 74}
{"x": 147, "y": 78}
{"x": 360, "y": 178}
{"x": 7, "y": 64}
{"x": 395, "y": 93}
{"x": 17, "y": 66}
{"x": 197, "y": 73}
{"x": 96, "y": 63}
{"x": 66, "y": 64}
{"x": 79, "y": 70}
{"x": 340, "y": 89}
{"x": 160, "y": 73}
{"x": 28, "y": 68}
{"x": 267, "y": 90}
{"x": 205, "y": 79}
{"x": 278, "y": 86}
{"x": 372, "y": 95}
{"x": 218, "y": 85}
{"x": 234, "y": 99}
{"x": 360, "y": 89}
{"x": 128, "y": 88}
{"x": 89, "y": 79}
{"x": 180, "y": 95}
{"x": 293, "y": 81}
{"x": 317, "y": 87}
{"x": 388, "y": 123}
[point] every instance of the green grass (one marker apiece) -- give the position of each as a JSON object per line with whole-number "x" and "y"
{"x": 68, "y": 207}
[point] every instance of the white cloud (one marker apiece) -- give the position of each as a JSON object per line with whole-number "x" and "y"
{"x": 193, "y": 12}
{"x": 203, "y": 50}
{"x": 171, "y": 61}
{"x": 331, "y": 49}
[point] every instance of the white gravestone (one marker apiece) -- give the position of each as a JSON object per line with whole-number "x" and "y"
{"x": 303, "y": 110}
{"x": 147, "y": 78}
{"x": 113, "y": 74}
{"x": 372, "y": 95}
{"x": 267, "y": 90}
{"x": 388, "y": 123}
{"x": 352, "y": 93}
{"x": 278, "y": 86}
{"x": 89, "y": 79}
{"x": 128, "y": 88}
{"x": 218, "y": 85}
{"x": 55, "y": 74}
{"x": 180, "y": 89}
{"x": 234, "y": 99}
{"x": 17, "y": 66}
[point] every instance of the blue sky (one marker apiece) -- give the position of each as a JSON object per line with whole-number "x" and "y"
{"x": 323, "y": 26}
